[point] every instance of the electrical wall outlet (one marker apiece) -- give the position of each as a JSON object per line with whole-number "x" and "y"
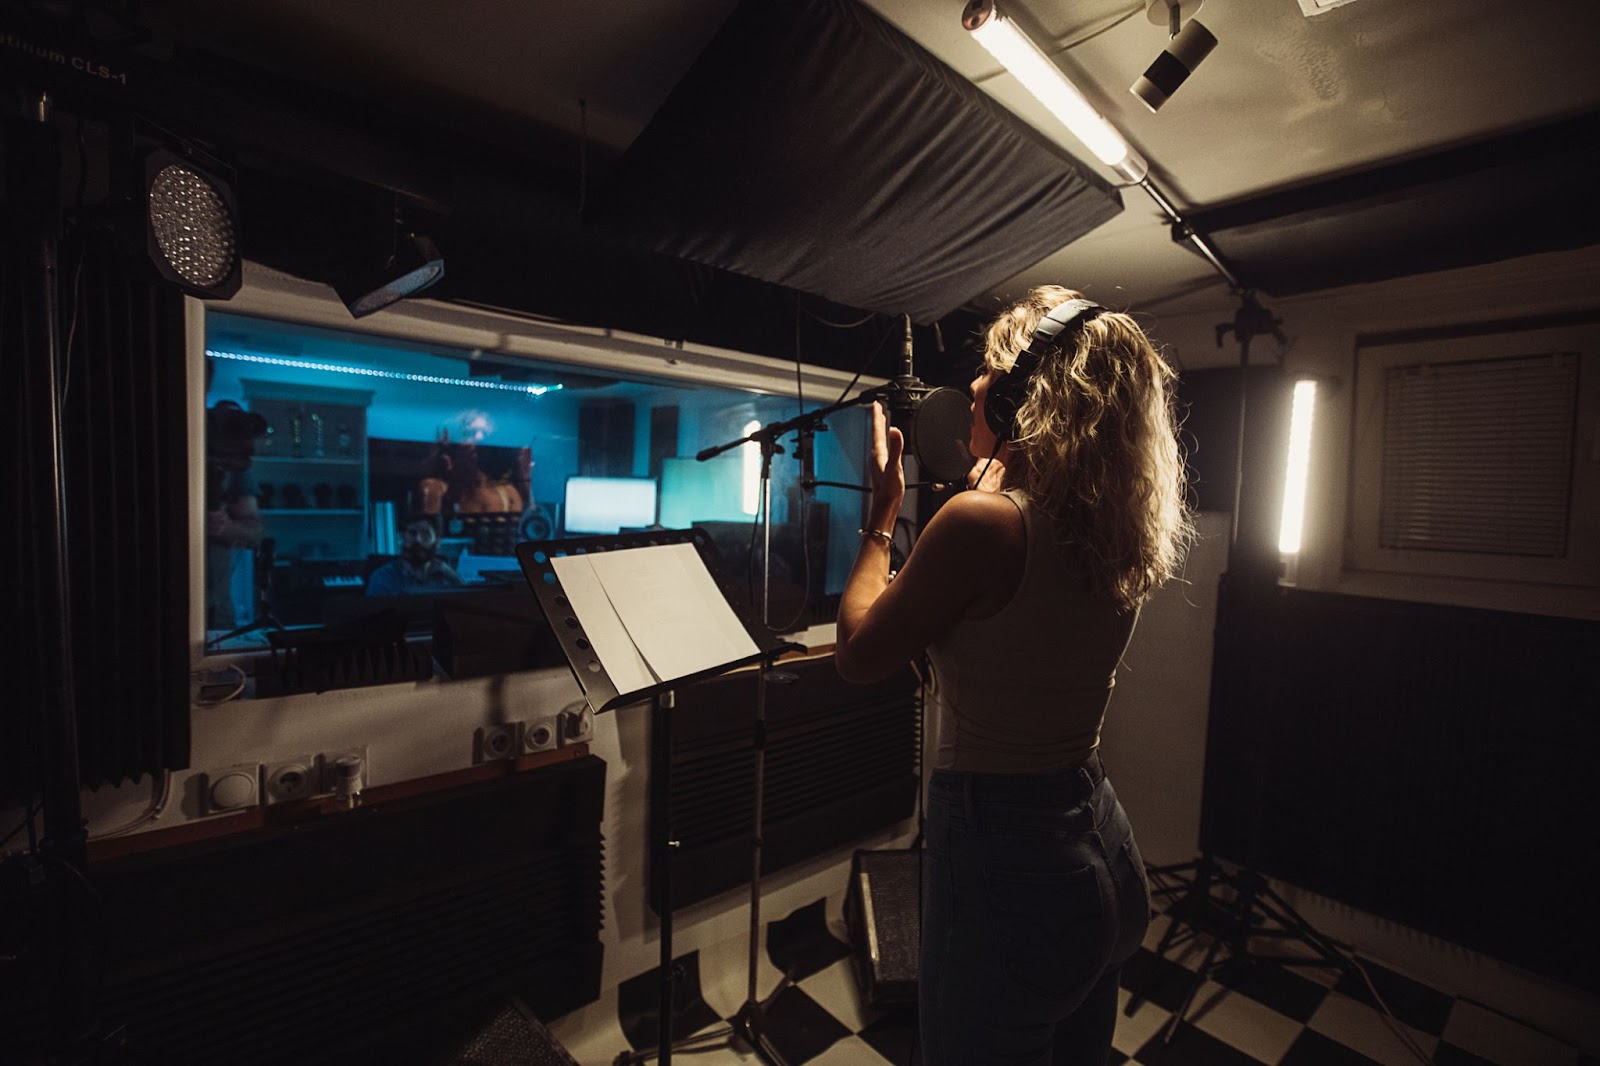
{"x": 294, "y": 778}
{"x": 329, "y": 773}
{"x": 577, "y": 727}
{"x": 541, "y": 734}
{"x": 491, "y": 742}
{"x": 230, "y": 788}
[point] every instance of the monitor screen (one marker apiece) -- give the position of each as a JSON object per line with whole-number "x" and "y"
{"x": 608, "y": 504}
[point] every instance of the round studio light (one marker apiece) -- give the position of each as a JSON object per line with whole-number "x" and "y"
{"x": 190, "y": 225}
{"x": 193, "y": 226}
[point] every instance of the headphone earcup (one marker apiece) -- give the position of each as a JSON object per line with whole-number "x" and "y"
{"x": 1003, "y": 401}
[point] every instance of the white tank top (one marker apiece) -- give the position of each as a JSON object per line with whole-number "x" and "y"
{"x": 1025, "y": 690}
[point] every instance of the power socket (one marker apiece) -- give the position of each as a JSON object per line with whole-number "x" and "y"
{"x": 295, "y": 778}
{"x": 331, "y": 777}
{"x": 577, "y": 727}
{"x": 541, "y": 734}
{"x": 230, "y": 788}
{"x": 492, "y": 742}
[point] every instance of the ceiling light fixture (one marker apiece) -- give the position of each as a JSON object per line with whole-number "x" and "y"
{"x": 1045, "y": 80}
{"x": 1041, "y": 77}
{"x": 413, "y": 264}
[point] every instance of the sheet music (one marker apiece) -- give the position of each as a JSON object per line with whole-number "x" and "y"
{"x": 601, "y": 623}
{"x": 671, "y": 607}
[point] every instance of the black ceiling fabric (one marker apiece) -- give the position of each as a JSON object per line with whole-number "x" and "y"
{"x": 815, "y": 146}
{"x": 1518, "y": 194}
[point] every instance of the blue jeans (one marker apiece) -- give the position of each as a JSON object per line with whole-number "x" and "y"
{"x": 1034, "y": 895}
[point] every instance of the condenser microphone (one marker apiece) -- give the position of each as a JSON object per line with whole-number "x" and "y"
{"x": 936, "y": 423}
{"x": 906, "y": 390}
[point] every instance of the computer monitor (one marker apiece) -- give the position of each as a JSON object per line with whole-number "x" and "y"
{"x": 608, "y": 504}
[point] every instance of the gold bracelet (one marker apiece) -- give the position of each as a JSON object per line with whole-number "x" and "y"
{"x": 888, "y": 538}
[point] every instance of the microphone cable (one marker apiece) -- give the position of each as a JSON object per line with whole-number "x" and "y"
{"x": 986, "y": 464}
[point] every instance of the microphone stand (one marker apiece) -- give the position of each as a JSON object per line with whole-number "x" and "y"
{"x": 747, "y": 1024}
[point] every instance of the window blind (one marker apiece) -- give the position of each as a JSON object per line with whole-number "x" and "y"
{"x": 1477, "y": 455}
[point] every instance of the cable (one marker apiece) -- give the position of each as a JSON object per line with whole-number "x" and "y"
{"x": 888, "y": 330}
{"x": 863, "y": 320}
{"x": 805, "y": 556}
{"x": 26, "y": 823}
{"x": 987, "y": 462}
{"x": 799, "y": 388}
{"x": 162, "y": 793}
{"x": 1383, "y": 1005}
{"x": 77, "y": 271}
{"x": 238, "y": 688}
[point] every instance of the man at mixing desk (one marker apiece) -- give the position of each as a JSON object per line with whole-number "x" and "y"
{"x": 419, "y": 567}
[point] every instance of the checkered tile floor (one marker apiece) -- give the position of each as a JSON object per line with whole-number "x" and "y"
{"x": 1249, "y": 1015}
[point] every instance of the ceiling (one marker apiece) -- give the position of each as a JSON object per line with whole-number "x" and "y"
{"x": 1284, "y": 101}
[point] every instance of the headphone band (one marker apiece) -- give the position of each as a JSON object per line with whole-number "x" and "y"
{"x": 1054, "y": 331}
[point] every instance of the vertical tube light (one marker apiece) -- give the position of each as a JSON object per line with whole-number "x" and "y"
{"x": 1299, "y": 462}
{"x": 750, "y": 501}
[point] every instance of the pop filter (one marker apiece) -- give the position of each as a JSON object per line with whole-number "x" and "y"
{"x": 939, "y": 429}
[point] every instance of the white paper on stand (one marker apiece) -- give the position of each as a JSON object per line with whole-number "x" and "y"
{"x": 601, "y": 624}
{"x": 672, "y": 609}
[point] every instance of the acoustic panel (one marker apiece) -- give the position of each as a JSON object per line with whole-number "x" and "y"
{"x": 382, "y": 934}
{"x": 841, "y": 763}
{"x": 815, "y": 146}
{"x": 1427, "y": 764}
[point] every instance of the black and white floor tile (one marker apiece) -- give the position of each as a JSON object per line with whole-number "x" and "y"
{"x": 1248, "y": 1015}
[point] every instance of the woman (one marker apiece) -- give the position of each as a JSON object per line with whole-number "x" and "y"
{"x": 1024, "y": 595}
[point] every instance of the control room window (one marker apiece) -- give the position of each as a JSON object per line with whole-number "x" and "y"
{"x": 347, "y": 473}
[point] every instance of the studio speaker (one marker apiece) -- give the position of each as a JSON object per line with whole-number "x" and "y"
{"x": 882, "y": 912}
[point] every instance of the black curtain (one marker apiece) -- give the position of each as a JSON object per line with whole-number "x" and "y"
{"x": 121, "y": 386}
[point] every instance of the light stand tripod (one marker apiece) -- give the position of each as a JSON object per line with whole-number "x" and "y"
{"x": 1251, "y": 909}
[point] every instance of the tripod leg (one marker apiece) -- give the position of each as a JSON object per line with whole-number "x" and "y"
{"x": 1200, "y": 976}
{"x": 1137, "y": 999}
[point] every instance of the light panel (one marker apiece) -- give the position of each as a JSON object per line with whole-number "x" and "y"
{"x": 1299, "y": 462}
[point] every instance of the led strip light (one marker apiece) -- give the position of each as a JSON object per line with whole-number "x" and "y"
{"x": 387, "y": 375}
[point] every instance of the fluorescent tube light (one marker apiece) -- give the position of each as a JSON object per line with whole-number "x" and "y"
{"x": 1041, "y": 77}
{"x": 1294, "y": 486}
{"x": 751, "y": 481}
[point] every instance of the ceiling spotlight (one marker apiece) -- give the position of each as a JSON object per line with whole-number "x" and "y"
{"x": 1041, "y": 77}
{"x": 1188, "y": 46}
{"x": 412, "y": 266}
{"x": 191, "y": 235}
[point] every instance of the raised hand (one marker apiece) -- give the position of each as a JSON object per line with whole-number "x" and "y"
{"x": 887, "y": 476}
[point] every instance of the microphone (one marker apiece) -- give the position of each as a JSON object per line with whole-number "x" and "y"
{"x": 906, "y": 390}
{"x": 936, "y": 422}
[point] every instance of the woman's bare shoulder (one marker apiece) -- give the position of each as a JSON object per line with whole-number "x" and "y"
{"x": 988, "y": 517}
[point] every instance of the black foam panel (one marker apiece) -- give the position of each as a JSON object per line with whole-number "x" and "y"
{"x": 814, "y": 145}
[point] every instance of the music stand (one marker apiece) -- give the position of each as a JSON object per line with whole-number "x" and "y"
{"x": 622, "y": 637}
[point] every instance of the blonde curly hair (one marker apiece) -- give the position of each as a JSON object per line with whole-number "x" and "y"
{"x": 1097, "y": 436}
